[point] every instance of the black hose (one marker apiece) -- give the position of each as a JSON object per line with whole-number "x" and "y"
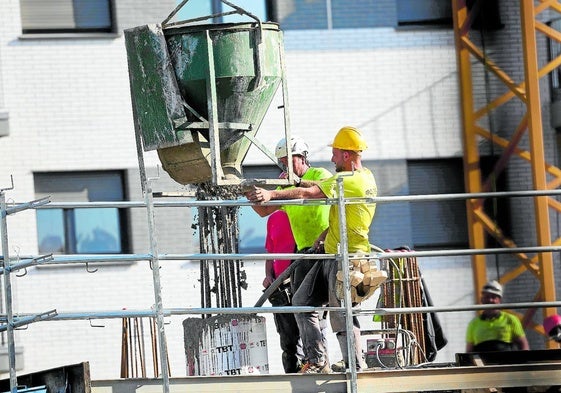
{"x": 278, "y": 281}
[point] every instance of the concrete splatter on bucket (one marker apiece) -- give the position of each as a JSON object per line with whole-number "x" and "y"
{"x": 226, "y": 345}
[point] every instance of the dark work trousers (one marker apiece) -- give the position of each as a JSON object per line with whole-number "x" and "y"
{"x": 298, "y": 275}
{"x": 287, "y": 329}
{"x": 318, "y": 289}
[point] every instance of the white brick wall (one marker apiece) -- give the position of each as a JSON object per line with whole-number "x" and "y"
{"x": 69, "y": 107}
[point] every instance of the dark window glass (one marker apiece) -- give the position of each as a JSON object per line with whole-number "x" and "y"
{"x": 66, "y": 16}
{"x": 50, "y": 231}
{"x": 443, "y": 224}
{"x": 81, "y": 230}
{"x": 195, "y": 9}
{"x": 357, "y": 13}
{"x": 301, "y": 14}
{"x": 333, "y": 14}
{"x": 554, "y": 52}
{"x": 424, "y": 12}
{"x": 498, "y": 209}
{"x": 437, "y": 224}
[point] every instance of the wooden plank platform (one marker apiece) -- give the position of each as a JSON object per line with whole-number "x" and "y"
{"x": 541, "y": 375}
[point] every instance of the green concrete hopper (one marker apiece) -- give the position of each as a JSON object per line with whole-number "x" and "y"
{"x": 200, "y": 93}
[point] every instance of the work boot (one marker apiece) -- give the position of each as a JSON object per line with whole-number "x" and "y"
{"x": 342, "y": 338}
{"x": 315, "y": 368}
{"x": 339, "y": 367}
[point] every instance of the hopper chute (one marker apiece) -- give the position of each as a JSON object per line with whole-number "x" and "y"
{"x": 200, "y": 93}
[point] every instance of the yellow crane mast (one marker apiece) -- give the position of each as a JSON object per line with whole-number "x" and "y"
{"x": 527, "y": 91}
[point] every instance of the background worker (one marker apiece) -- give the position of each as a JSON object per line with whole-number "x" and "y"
{"x": 319, "y": 286}
{"x": 552, "y": 326}
{"x": 493, "y": 329}
{"x": 306, "y": 223}
{"x": 280, "y": 240}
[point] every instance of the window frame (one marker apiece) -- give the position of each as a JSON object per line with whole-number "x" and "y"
{"x": 112, "y": 29}
{"x": 69, "y": 221}
{"x": 433, "y": 168}
{"x": 422, "y": 21}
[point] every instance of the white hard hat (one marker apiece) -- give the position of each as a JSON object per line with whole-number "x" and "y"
{"x": 493, "y": 287}
{"x": 297, "y": 146}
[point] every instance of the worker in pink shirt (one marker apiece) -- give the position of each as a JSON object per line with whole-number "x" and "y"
{"x": 280, "y": 240}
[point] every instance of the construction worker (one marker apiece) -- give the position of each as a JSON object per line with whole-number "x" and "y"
{"x": 280, "y": 240}
{"x": 306, "y": 223}
{"x": 552, "y": 326}
{"x": 494, "y": 330}
{"x": 319, "y": 287}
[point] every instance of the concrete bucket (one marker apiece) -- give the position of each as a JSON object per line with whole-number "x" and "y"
{"x": 200, "y": 93}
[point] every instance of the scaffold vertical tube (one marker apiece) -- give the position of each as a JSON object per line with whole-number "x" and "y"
{"x": 344, "y": 260}
{"x": 155, "y": 266}
{"x": 8, "y": 294}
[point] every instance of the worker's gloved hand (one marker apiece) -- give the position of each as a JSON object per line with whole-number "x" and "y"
{"x": 258, "y": 195}
{"x": 317, "y": 248}
{"x": 555, "y": 334}
{"x": 267, "y": 281}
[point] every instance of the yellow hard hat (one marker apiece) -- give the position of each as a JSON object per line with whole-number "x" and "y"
{"x": 349, "y": 138}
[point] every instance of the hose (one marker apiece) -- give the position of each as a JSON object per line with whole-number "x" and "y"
{"x": 278, "y": 281}
{"x": 285, "y": 274}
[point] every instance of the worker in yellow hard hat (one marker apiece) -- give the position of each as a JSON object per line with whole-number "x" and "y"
{"x": 358, "y": 181}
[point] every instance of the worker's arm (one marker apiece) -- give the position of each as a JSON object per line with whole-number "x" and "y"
{"x": 522, "y": 343}
{"x": 308, "y": 183}
{"x": 269, "y": 273}
{"x": 261, "y": 195}
{"x": 318, "y": 244}
{"x": 469, "y": 347}
{"x": 264, "y": 211}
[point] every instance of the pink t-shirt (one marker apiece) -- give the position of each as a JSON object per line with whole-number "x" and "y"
{"x": 279, "y": 239}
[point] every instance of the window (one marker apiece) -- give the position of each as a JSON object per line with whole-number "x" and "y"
{"x": 70, "y": 230}
{"x": 333, "y": 14}
{"x": 361, "y": 13}
{"x": 66, "y": 16}
{"x": 4, "y": 124}
{"x": 437, "y": 224}
{"x": 424, "y": 12}
{"x": 554, "y": 52}
{"x": 197, "y": 8}
{"x": 302, "y": 14}
{"x": 443, "y": 224}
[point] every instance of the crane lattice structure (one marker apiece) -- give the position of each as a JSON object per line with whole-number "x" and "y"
{"x": 545, "y": 176}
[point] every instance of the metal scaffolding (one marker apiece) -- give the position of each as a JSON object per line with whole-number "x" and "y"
{"x": 11, "y": 321}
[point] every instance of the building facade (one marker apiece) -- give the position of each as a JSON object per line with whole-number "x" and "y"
{"x": 387, "y": 67}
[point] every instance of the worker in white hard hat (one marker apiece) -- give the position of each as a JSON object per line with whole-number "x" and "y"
{"x": 493, "y": 329}
{"x": 306, "y": 223}
{"x": 319, "y": 285}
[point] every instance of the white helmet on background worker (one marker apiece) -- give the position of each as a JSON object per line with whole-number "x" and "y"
{"x": 298, "y": 147}
{"x": 493, "y": 287}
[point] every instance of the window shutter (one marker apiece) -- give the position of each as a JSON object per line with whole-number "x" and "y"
{"x": 47, "y": 14}
{"x": 79, "y": 187}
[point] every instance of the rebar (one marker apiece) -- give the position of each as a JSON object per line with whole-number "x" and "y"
{"x": 403, "y": 289}
{"x": 218, "y": 233}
